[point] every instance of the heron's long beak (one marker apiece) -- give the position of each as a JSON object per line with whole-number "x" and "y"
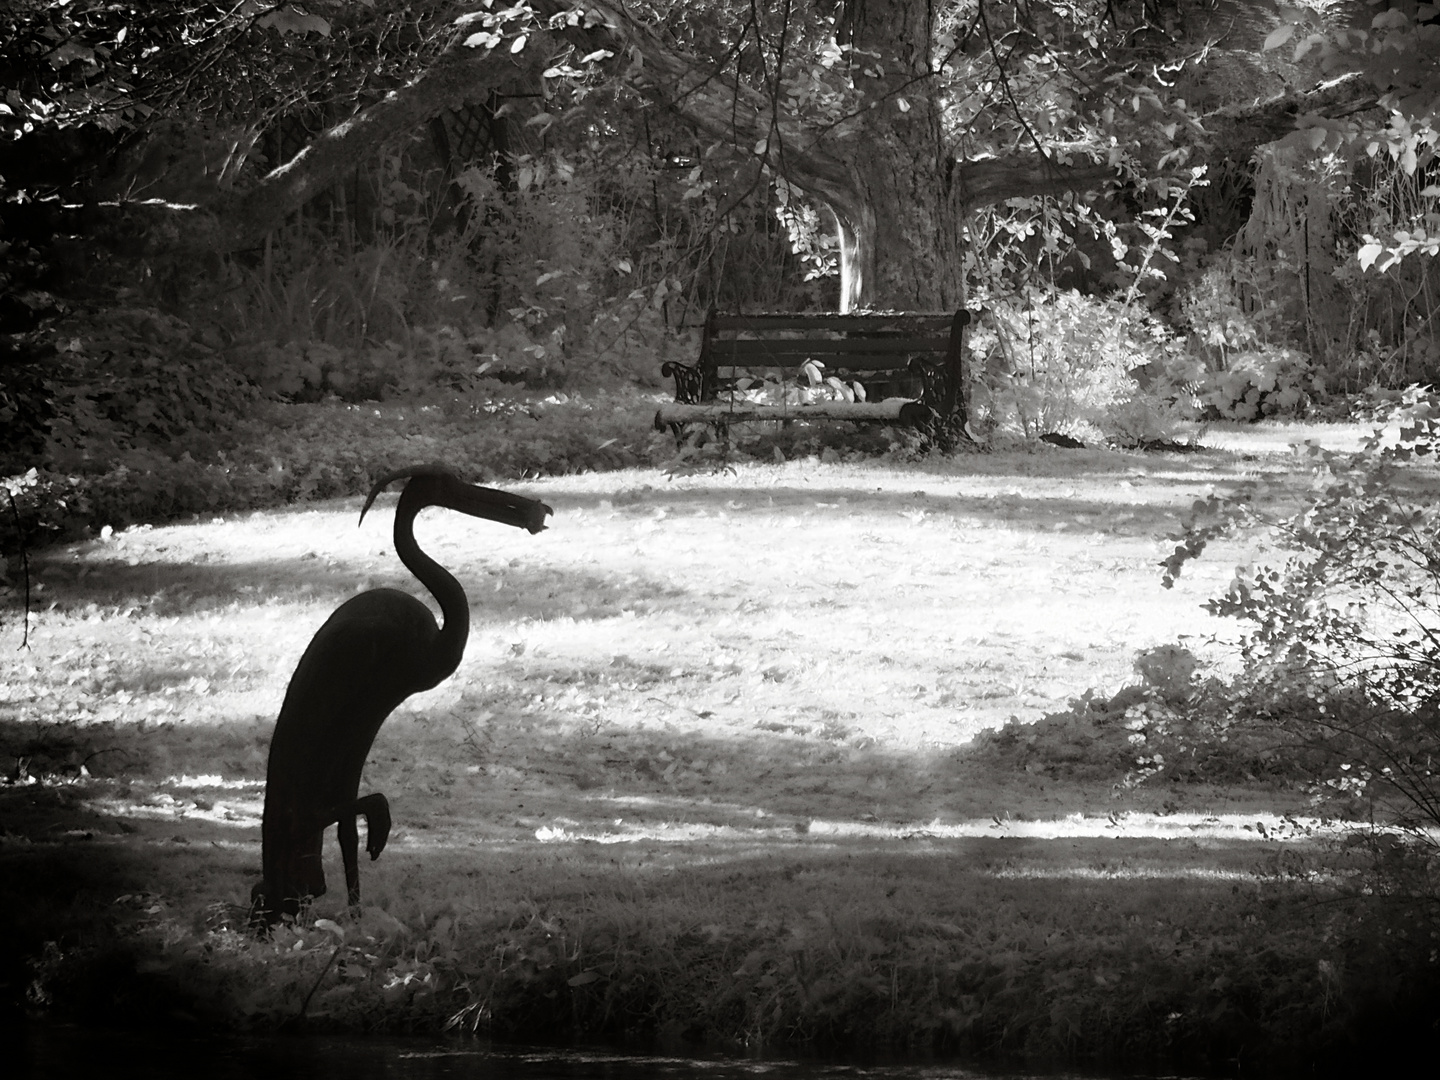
{"x": 501, "y": 506}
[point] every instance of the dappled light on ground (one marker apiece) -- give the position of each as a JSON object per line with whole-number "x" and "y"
{"x": 764, "y": 648}
{"x": 730, "y": 731}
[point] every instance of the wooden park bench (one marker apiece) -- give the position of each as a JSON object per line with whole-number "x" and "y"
{"x": 885, "y": 366}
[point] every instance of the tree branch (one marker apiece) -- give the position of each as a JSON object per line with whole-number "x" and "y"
{"x": 233, "y": 222}
{"x": 723, "y": 108}
{"x": 1237, "y": 130}
{"x": 1020, "y": 176}
{"x": 717, "y": 105}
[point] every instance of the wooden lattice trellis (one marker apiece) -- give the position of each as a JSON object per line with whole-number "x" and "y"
{"x": 470, "y": 133}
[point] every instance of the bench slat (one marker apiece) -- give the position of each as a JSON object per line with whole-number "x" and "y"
{"x": 882, "y": 349}
{"x": 763, "y": 323}
{"x": 801, "y": 349}
{"x": 891, "y": 409}
{"x": 845, "y": 370}
{"x": 789, "y": 371}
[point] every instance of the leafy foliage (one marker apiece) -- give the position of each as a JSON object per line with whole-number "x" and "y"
{"x": 1342, "y": 650}
{"x": 1175, "y": 724}
{"x": 1068, "y": 363}
{"x": 1396, "y": 54}
{"x": 1258, "y": 384}
{"x": 117, "y": 66}
{"x": 130, "y": 393}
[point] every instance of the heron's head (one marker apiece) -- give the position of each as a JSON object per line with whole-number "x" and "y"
{"x": 438, "y": 485}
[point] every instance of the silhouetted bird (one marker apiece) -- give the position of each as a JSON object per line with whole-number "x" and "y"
{"x": 374, "y": 652}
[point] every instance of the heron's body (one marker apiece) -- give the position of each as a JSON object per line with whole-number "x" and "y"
{"x": 376, "y": 650}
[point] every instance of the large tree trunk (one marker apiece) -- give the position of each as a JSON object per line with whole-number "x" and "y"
{"x": 886, "y": 176}
{"x": 909, "y": 213}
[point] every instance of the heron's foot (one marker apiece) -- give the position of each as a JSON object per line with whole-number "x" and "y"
{"x": 376, "y": 811}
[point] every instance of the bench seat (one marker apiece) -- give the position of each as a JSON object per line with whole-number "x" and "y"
{"x": 891, "y": 410}
{"x": 900, "y": 367}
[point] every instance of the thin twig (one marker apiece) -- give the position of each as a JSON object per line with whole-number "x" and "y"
{"x": 24, "y": 567}
{"x": 323, "y": 972}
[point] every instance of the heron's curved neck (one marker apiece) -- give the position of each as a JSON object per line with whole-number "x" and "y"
{"x": 450, "y": 645}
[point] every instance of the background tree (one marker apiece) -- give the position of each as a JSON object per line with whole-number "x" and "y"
{"x": 286, "y": 186}
{"x": 954, "y": 105}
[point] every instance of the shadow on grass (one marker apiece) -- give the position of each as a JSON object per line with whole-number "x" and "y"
{"x": 1011, "y": 508}
{"x": 74, "y": 882}
{"x": 71, "y": 752}
{"x": 1147, "y": 508}
{"x": 168, "y": 589}
{"x": 498, "y": 592}
{"x": 56, "y": 885}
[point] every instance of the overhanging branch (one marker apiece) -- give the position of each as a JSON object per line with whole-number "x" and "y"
{"x": 231, "y": 223}
{"x": 1021, "y": 176}
{"x": 1237, "y": 130}
{"x": 723, "y": 108}
{"x": 716, "y": 104}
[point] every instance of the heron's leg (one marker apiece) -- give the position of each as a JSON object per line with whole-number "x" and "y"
{"x": 349, "y": 837}
{"x": 376, "y": 810}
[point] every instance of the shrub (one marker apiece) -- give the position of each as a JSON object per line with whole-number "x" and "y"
{"x": 132, "y": 379}
{"x": 527, "y": 285}
{"x": 1177, "y": 722}
{"x": 138, "y": 401}
{"x": 1258, "y": 384}
{"x": 1342, "y": 651}
{"x": 1074, "y": 364}
{"x": 281, "y": 453}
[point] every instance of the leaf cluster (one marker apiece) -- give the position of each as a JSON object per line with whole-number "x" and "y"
{"x": 1398, "y": 55}
{"x": 117, "y": 65}
{"x": 1342, "y": 643}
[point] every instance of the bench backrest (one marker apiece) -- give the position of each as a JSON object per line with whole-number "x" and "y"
{"x": 859, "y": 341}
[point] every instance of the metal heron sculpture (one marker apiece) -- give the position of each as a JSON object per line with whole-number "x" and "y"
{"x": 376, "y": 650}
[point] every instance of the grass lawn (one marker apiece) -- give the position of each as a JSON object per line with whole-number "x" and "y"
{"x": 704, "y": 775}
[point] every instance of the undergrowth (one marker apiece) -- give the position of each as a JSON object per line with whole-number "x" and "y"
{"x": 283, "y": 453}
{"x": 1272, "y": 972}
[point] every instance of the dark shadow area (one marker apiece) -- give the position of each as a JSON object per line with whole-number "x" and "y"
{"x": 995, "y": 919}
{"x": 508, "y": 771}
{"x": 803, "y": 442}
{"x": 61, "y": 749}
{"x": 170, "y": 589}
{"x": 55, "y": 886}
{"x": 55, "y": 1050}
{"x": 74, "y": 914}
{"x": 649, "y": 777}
{"x": 1038, "y": 512}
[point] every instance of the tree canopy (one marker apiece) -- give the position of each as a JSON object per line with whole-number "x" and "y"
{"x": 896, "y": 116}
